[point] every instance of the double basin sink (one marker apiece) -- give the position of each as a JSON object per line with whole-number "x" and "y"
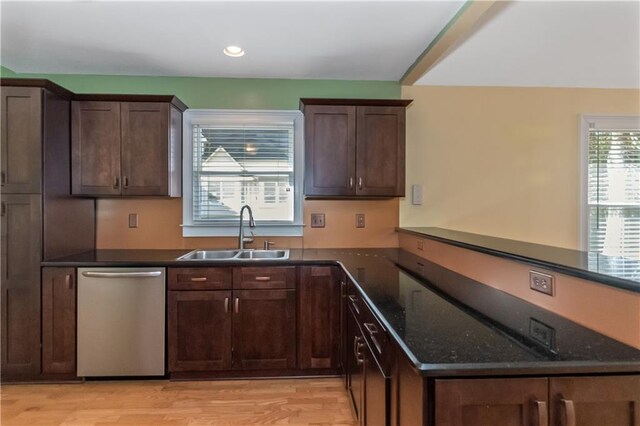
{"x": 244, "y": 254}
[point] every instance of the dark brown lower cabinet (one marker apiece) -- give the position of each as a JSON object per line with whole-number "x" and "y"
{"x": 199, "y": 330}
{"x": 59, "y": 321}
{"x": 376, "y": 390}
{"x": 355, "y": 366}
{"x": 489, "y": 402}
{"x": 21, "y": 252}
{"x": 264, "y": 329}
{"x": 319, "y": 318}
{"x": 555, "y": 401}
{"x": 595, "y": 401}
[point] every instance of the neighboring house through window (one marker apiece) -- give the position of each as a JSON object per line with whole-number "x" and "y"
{"x": 611, "y": 193}
{"x": 238, "y": 157}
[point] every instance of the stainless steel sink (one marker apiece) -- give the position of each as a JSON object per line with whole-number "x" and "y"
{"x": 240, "y": 255}
{"x": 263, "y": 254}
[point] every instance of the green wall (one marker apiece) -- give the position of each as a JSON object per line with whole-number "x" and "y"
{"x": 225, "y": 93}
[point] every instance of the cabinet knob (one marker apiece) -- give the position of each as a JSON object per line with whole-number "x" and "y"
{"x": 198, "y": 279}
{"x": 68, "y": 282}
{"x": 226, "y": 305}
{"x": 360, "y": 182}
{"x": 356, "y": 350}
{"x": 116, "y": 182}
{"x": 125, "y": 182}
{"x": 236, "y": 305}
{"x": 351, "y": 182}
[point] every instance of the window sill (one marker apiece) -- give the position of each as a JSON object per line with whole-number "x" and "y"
{"x": 232, "y": 231}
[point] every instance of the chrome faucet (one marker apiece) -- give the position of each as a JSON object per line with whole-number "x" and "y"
{"x": 241, "y": 238}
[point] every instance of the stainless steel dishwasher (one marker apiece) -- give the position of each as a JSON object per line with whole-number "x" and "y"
{"x": 121, "y": 321}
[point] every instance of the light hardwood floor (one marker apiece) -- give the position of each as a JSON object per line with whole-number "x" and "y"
{"x": 234, "y": 402}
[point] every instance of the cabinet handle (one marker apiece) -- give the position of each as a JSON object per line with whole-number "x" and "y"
{"x": 3, "y": 178}
{"x": 373, "y": 331}
{"x": 263, "y": 278}
{"x": 236, "y": 305}
{"x": 542, "y": 413}
{"x": 3, "y": 209}
{"x": 569, "y": 418}
{"x": 226, "y": 305}
{"x": 356, "y": 350}
{"x": 67, "y": 281}
{"x": 354, "y": 303}
{"x": 360, "y": 182}
{"x": 125, "y": 182}
{"x": 351, "y": 182}
{"x": 198, "y": 279}
{"x": 116, "y": 182}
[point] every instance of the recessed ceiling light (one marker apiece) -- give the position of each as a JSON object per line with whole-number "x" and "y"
{"x": 233, "y": 51}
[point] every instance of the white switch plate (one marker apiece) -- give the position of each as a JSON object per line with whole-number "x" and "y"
{"x": 416, "y": 194}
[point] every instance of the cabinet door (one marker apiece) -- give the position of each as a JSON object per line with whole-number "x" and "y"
{"x": 380, "y": 151}
{"x": 597, "y": 401}
{"x": 330, "y": 150}
{"x": 355, "y": 367}
{"x": 344, "y": 346}
{"x": 264, "y": 329}
{"x": 21, "y": 254}
{"x": 145, "y": 148}
{"x": 319, "y": 318}
{"x": 59, "y": 320}
{"x": 376, "y": 391}
{"x": 21, "y": 140}
{"x": 489, "y": 402}
{"x": 199, "y": 328}
{"x": 95, "y": 148}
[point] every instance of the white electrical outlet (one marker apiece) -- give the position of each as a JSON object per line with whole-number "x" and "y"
{"x": 416, "y": 194}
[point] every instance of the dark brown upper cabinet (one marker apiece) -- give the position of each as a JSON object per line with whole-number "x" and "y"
{"x": 354, "y": 147}
{"x": 126, "y": 145}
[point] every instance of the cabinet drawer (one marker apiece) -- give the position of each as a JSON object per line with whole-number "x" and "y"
{"x": 265, "y": 278}
{"x": 372, "y": 329}
{"x": 199, "y": 278}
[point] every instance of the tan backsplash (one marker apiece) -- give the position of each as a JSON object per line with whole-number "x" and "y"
{"x": 159, "y": 225}
{"x": 607, "y": 310}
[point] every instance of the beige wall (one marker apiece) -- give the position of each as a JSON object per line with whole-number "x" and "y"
{"x": 607, "y": 310}
{"x": 501, "y": 161}
{"x": 159, "y": 225}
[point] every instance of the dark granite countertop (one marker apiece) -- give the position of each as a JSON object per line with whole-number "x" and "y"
{"x": 447, "y": 324}
{"x": 617, "y": 272}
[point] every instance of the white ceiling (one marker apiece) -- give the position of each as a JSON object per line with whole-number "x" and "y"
{"x": 548, "y": 44}
{"x": 327, "y": 40}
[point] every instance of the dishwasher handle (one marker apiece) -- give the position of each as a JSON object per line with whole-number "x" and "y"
{"x": 146, "y": 274}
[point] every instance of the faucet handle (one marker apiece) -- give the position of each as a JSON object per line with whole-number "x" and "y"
{"x": 267, "y": 244}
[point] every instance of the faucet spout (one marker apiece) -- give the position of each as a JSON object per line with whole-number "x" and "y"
{"x": 252, "y": 224}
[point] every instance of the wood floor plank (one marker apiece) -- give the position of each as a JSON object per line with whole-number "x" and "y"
{"x": 302, "y": 402}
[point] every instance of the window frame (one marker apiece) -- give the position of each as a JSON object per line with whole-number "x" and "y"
{"x": 263, "y": 228}
{"x": 586, "y": 123}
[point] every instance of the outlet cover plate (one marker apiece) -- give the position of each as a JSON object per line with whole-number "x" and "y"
{"x": 133, "y": 220}
{"x": 544, "y": 283}
{"x": 317, "y": 220}
{"x": 359, "y": 220}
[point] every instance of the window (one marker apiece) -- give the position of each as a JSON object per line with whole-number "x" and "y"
{"x": 611, "y": 192}
{"x": 233, "y": 158}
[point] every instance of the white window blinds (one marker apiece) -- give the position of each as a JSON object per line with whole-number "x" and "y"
{"x": 234, "y": 165}
{"x": 614, "y": 195}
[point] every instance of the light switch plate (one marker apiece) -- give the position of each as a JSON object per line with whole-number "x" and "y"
{"x": 317, "y": 220}
{"x": 416, "y": 194}
{"x": 133, "y": 220}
